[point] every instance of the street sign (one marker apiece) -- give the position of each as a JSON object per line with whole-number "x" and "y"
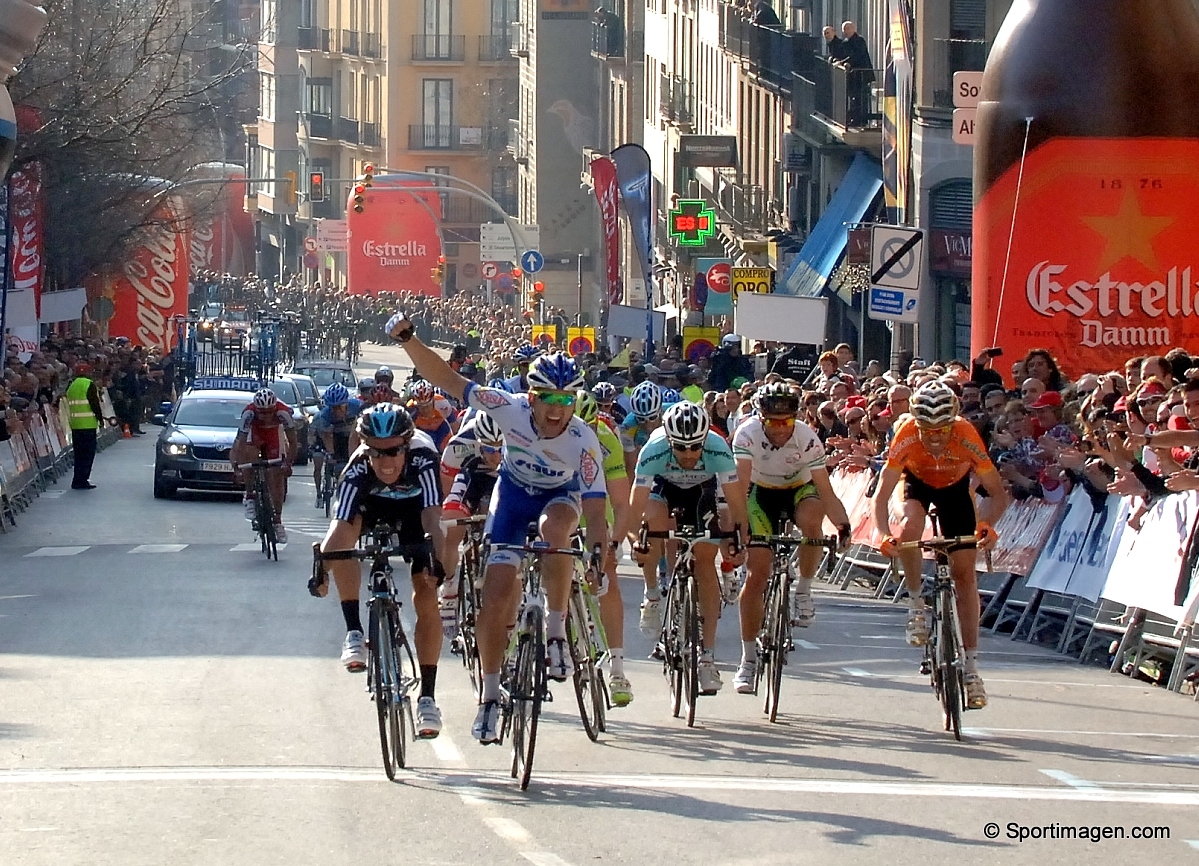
{"x": 496, "y": 244}
{"x": 332, "y": 236}
{"x": 967, "y": 89}
{"x": 311, "y": 261}
{"x": 893, "y": 305}
{"x": 895, "y": 257}
{"x": 755, "y": 280}
{"x": 505, "y": 282}
{"x": 531, "y": 261}
{"x": 963, "y": 125}
{"x": 490, "y": 270}
{"x": 310, "y": 245}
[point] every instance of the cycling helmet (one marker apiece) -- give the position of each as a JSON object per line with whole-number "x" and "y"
{"x": 604, "y": 392}
{"x": 336, "y": 395}
{"x": 934, "y": 405}
{"x": 487, "y": 431}
{"x": 264, "y": 399}
{"x": 586, "y": 407}
{"x": 499, "y": 385}
{"x": 555, "y": 372}
{"x": 366, "y": 387}
{"x": 385, "y": 421}
{"x": 421, "y": 392}
{"x": 384, "y": 373}
{"x": 777, "y": 398}
{"x": 646, "y": 400}
{"x": 685, "y": 423}
{"x": 670, "y": 396}
{"x": 526, "y": 354}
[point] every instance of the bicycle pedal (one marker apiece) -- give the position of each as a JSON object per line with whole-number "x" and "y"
{"x": 926, "y": 669}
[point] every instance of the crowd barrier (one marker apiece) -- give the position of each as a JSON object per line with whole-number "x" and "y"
{"x": 39, "y": 455}
{"x": 1075, "y": 575}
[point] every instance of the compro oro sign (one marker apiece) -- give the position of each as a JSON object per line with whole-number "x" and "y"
{"x": 756, "y": 280}
{"x": 393, "y": 245}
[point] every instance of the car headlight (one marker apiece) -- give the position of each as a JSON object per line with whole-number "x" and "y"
{"x": 176, "y": 448}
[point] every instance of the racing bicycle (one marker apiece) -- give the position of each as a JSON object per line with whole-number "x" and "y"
{"x": 264, "y": 509}
{"x": 470, "y": 584}
{"x": 588, "y": 647}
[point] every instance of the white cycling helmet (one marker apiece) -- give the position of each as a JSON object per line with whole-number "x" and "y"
{"x": 487, "y": 432}
{"x": 934, "y": 405}
{"x": 264, "y": 399}
{"x": 686, "y": 423}
{"x": 646, "y": 400}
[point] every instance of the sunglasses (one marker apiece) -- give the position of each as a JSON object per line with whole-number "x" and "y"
{"x": 553, "y": 399}
{"x": 489, "y": 451}
{"x": 696, "y": 446}
{"x": 378, "y": 453}
{"x": 935, "y": 431}
{"x": 784, "y": 422}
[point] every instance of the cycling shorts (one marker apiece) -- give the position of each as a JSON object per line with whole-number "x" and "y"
{"x": 771, "y": 507}
{"x": 697, "y": 504}
{"x": 402, "y": 515}
{"x": 513, "y": 508}
{"x": 955, "y": 506}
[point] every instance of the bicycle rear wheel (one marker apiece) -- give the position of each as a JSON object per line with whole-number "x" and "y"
{"x": 588, "y": 692}
{"x": 778, "y": 625}
{"x": 690, "y": 646}
{"x": 949, "y": 665}
{"x": 385, "y": 673}
{"x": 266, "y": 527}
{"x": 529, "y": 685}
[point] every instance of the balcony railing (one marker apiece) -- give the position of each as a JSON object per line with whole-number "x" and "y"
{"x": 516, "y": 39}
{"x": 676, "y": 100}
{"x": 427, "y": 137}
{"x": 349, "y": 42}
{"x": 607, "y": 37}
{"x": 307, "y": 39}
{"x": 436, "y": 47}
{"x": 370, "y": 134}
{"x": 744, "y": 205}
{"x": 347, "y": 129}
{"x": 773, "y": 53}
{"x": 328, "y": 41}
{"x": 319, "y": 125}
{"x": 950, "y": 56}
{"x": 495, "y": 48}
{"x": 850, "y": 99}
{"x": 459, "y": 209}
{"x": 508, "y": 202}
{"x": 496, "y": 136}
{"x": 371, "y": 46}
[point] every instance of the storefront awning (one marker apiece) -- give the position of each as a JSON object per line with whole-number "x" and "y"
{"x": 814, "y": 265}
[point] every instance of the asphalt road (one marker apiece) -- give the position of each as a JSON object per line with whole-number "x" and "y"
{"x": 167, "y": 696}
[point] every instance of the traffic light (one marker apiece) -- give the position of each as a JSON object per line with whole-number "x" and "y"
{"x": 359, "y": 198}
{"x": 538, "y": 290}
{"x": 438, "y": 273}
{"x": 368, "y": 173}
{"x": 316, "y": 186}
{"x": 290, "y": 195}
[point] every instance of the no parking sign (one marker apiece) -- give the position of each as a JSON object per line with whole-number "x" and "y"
{"x": 580, "y": 341}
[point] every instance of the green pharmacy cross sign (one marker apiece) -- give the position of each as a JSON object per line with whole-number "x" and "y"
{"x": 692, "y": 224}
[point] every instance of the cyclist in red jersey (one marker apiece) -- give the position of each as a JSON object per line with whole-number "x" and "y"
{"x": 266, "y": 433}
{"x": 936, "y": 452}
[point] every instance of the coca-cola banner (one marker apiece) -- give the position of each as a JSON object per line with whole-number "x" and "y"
{"x": 151, "y": 288}
{"x": 222, "y": 233}
{"x": 1102, "y": 263}
{"x": 393, "y": 244}
{"x": 603, "y": 176}
{"x": 26, "y": 214}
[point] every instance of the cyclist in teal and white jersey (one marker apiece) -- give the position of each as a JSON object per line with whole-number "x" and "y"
{"x": 681, "y": 467}
{"x": 645, "y": 418}
{"x": 551, "y": 473}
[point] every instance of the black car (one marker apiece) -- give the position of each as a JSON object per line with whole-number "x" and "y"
{"x": 193, "y": 448}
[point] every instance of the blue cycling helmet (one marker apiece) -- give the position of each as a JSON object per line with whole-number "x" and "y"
{"x": 647, "y": 400}
{"x": 336, "y": 395}
{"x": 526, "y": 354}
{"x": 555, "y": 372}
{"x": 499, "y": 385}
{"x": 670, "y": 396}
{"x": 385, "y": 421}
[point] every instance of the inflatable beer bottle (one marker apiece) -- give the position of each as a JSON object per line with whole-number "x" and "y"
{"x": 1086, "y": 182}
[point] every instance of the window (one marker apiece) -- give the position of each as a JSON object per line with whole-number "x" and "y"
{"x": 270, "y": 18}
{"x": 266, "y": 96}
{"x": 438, "y": 18}
{"x": 503, "y": 13}
{"x": 437, "y": 111}
{"x": 444, "y": 171}
{"x": 318, "y": 96}
{"x": 503, "y": 187}
{"x": 307, "y": 13}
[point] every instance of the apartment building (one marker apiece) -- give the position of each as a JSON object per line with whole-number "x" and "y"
{"x": 427, "y": 86}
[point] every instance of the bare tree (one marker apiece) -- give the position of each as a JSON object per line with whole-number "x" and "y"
{"x": 126, "y": 105}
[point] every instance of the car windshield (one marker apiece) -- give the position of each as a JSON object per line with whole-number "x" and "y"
{"x": 306, "y": 388}
{"x": 326, "y": 376}
{"x": 211, "y": 311}
{"x": 210, "y": 413}
{"x": 285, "y": 391}
{"x": 237, "y": 316}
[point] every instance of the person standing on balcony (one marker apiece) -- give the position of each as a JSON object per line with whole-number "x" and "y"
{"x": 835, "y": 46}
{"x": 764, "y": 14}
{"x": 861, "y": 73}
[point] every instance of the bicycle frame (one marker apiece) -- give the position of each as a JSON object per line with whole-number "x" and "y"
{"x": 264, "y": 505}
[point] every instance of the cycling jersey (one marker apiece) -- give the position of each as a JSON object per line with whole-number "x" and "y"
{"x": 263, "y": 430}
{"x": 463, "y": 448}
{"x": 657, "y": 461}
{"x": 963, "y": 453}
{"x": 612, "y": 451}
{"x": 361, "y": 490}
{"x": 633, "y": 433}
{"x": 339, "y": 430}
{"x": 788, "y": 465}
{"x": 433, "y": 423}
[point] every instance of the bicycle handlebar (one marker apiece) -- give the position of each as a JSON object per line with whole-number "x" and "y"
{"x": 473, "y": 520}
{"x": 541, "y": 549}
{"x": 688, "y": 534}
{"x": 830, "y": 541}
{"x": 266, "y": 464}
{"x": 937, "y": 542}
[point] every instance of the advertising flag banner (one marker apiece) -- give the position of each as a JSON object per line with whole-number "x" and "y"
{"x": 718, "y": 276}
{"x": 393, "y": 244}
{"x": 222, "y": 233}
{"x": 633, "y": 175}
{"x": 26, "y": 212}
{"x": 897, "y": 111}
{"x": 603, "y": 176}
{"x": 152, "y": 286}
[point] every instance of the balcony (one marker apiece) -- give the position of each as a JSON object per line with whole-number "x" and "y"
{"x": 438, "y": 137}
{"x": 950, "y": 56}
{"x": 370, "y": 134}
{"x": 826, "y": 109}
{"x": 436, "y": 48}
{"x": 495, "y": 48}
{"x": 496, "y": 136}
{"x": 307, "y": 39}
{"x": 466, "y": 211}
{"x": 607, "y": 38}
{"x": 328, "y": 41}
{"x": 349, "y": 42}
{"x": 744, "y": 207}
{"x": 319, "y": 125}
{"x": 773, "y": 54}
{"x": 371, "y": 46}
{"x": 347, "y": 129}
{"x": 676, "y": 100}
{"x": 507, "y": 201}
{"x": 517, "y": 42}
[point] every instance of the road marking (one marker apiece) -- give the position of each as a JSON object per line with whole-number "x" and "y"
{"x": 158, "y": 548}
{"x": 857, "y": 672}
{"x": 1194, "y": 843}
{"x": 507, "y": 829}
{"x": 53, "y": 494}
{"x": 543, "y": 858}
{"x": 57, "y": 551}
{"x": 11, "y": 597}
{"x": 877, "y": 637}
{"x": 255, "y": 546}
{"x": 445, "y": 750}
{"x": 1086, "y": 733}
{"x": 1072, "y": 780}
{"x": 808, "y": 645}
{"x": 107, "y": 775}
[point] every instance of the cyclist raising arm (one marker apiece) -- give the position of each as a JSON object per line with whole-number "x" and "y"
{"x": 935, "y": 451}
{"x": 551, "y": 472}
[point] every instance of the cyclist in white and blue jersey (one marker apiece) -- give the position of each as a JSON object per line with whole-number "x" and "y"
{"x": 551, "y": 473}
{"x": 644, "y": 419}
{"x": 524, "y": 356}
{"x": 681, "y": 467}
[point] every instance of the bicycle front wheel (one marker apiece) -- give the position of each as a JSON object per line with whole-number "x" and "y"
{"x": 778, "y": 626}
{"x": 528, "y": 689}
{"x": 588, "y": 691}
{"x": 690, "y": 635}
{"x": 385, "y": 670}
{"x": 672, "y": 646}
{"x": 950, "y": 666}
{"x": 466, "y": 640}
